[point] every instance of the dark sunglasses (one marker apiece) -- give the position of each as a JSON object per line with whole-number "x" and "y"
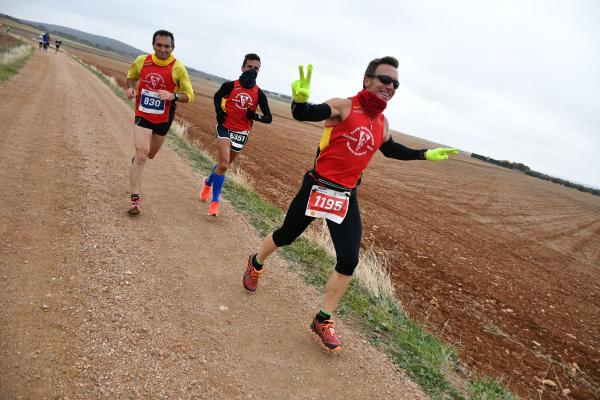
{"x": 386, "y": 80}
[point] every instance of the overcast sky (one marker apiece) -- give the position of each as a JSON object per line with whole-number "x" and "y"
{"x": 516, "y": 80}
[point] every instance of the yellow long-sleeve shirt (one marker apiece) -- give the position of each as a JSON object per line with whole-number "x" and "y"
{"x": 180, "y": 75}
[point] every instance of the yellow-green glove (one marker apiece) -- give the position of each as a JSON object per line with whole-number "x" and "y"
{"x": 439, "y": 154}
{"x": 301, "y": 87}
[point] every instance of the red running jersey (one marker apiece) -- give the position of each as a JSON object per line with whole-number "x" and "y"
{"x": 236, "y": 104}
{"x": 345, "y": 149}
{"x": 152, "y": 79}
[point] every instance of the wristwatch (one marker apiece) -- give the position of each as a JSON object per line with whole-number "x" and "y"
{"x": 176, "y": 96}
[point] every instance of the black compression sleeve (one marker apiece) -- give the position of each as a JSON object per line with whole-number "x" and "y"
{"x": 223, "y": 91}
{"x": 311, "y": 112}
{"x": 397, "y": 151}
{"x": 263, "y": 103}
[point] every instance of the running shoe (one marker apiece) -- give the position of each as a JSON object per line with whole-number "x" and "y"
{"x": 205, "y": 193}
{"x": 326, "y": 333}
{"x": 213, "y": 209}
{"x": 251, "y": 275}
{"x": 134, "y": 207}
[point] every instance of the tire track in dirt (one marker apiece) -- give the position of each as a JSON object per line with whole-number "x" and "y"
{"x": 95, "y": 304}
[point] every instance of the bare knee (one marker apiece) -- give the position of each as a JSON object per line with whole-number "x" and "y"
{"x": 222, "y": 167}
{"x": 140, "y": 157}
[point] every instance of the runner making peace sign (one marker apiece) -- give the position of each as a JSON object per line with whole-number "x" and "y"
{"x": 354, "y": 130}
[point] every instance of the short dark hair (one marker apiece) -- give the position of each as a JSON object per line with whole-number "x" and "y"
{"x": 389, "y": 60}
{"x": 250, "y": 56}
{"x": 162, "y": 32}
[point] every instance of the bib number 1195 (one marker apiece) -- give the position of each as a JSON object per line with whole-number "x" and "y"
{"x": 327, "y": 203}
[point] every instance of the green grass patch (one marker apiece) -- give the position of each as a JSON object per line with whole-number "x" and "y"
{"x": 487, "y": 388}
{"x": 424, "y": 357}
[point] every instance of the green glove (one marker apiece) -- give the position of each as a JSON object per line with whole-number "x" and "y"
{"x": 439, "y": 154}
{"x": 301, "y": 87}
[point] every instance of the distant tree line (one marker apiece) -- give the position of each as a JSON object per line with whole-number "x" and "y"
{"x": 526, "y": 170}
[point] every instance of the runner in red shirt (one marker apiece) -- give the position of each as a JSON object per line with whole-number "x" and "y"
{"x": 163, "y": 82}
{"x": 354, "y": 130}
{"x": 235, "y": 105}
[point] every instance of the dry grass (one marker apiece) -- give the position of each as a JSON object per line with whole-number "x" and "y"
{"x": 180, "y": 128}
{"x": 14, "y": 54}
{"x": 372, "y": 272}
{"x": 111, "y": 79}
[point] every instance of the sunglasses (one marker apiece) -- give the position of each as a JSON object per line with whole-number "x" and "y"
{"x": 386, "y": 80}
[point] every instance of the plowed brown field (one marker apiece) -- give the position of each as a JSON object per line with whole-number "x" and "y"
{"x": 502, "y": 265}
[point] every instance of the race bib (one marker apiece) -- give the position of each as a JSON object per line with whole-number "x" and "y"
{"x": 150, "y": 103}
{"x": 327, "y": 203}
{"x": 238, "y": 139}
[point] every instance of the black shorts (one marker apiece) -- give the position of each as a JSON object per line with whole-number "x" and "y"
{"x": 238, "y": 139}
{"x": 345, "y": 236}
{"x": 159, "y": 129}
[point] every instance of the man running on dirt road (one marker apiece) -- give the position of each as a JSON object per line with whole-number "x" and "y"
{"x": 163, "y": 82}
{"x": 354, "y": 130}
{"x": 235, "y": 106}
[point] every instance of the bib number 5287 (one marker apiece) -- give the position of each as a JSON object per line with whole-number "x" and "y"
{"x": 327, "y": 203}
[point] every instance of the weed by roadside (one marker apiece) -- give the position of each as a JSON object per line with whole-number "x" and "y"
{"x": 12, "y": 59}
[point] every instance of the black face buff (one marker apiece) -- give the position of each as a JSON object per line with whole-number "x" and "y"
{"x": 248, "y": 78}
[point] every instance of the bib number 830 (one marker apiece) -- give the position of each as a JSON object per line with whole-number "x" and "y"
{"x": 150, "y": 103}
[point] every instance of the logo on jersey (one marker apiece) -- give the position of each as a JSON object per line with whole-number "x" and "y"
{"x": 360, "y": 140}
{"x": 154, "y": 81}
{"x": 243, "y": 101}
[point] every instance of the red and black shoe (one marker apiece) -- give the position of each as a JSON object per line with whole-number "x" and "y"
{"x": 324, "y": 330}
{"x": 134, "y": 207}
{"x": 251, "y": 275}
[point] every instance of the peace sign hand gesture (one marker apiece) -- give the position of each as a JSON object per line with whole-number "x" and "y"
{"x": 301, "y": 87}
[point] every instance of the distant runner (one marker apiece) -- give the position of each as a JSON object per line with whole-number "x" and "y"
{"x": 46, "y": 41}
{"x": 163, "y": 82}
{"x": 235, "y": 105}
{"x": 57, "y": 44}
{"x": 354, "y": 130}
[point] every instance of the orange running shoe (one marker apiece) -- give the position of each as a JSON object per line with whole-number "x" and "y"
{"x": 134, "y": 207}
{"x": 205, "y": 193}
{"x": 326, "y": 333}
{"x": 251, "y": 275}
{"x": 213, "y": 209}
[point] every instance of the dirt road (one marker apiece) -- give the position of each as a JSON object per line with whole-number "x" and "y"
{"x": 95, "y": 304}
